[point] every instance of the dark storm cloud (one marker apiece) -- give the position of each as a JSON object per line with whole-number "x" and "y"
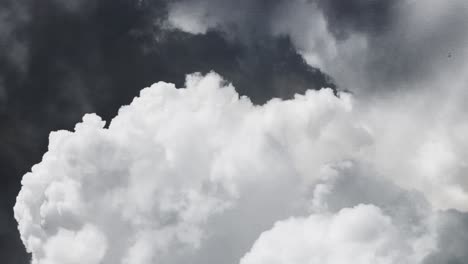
{"x": 403, "y": 42}
{"x": 253, "y": 19}
{"x": 61, "y": 59}
{"x": 19, "y": 149}
{"x": 13, "y": 18}
{"x": 93, "y": 43}
{"x": 390, "y": 45}
{"x": 407, "y": 41}
{"x": 453, "y": 238}
{"x": 245, "y": 19}
{"x": 419, "y": 48}
{"x": 365, "y": 16}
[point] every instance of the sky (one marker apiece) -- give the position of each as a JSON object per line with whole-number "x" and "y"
{"x": 221, "y": 131}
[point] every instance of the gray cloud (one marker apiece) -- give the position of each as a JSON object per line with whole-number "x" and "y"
{"x": 14, "y": 16}
{"x": 453, "y": 238}
{"x": 420, "y": 46}
{"x": 363, "y": 16}
{"x": 366, "y": 46}
{"x": 245, "y": 20}
{"x": 416, "y": 43}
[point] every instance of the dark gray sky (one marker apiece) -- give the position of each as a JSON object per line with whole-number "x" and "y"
{"x": 60, "y": 59}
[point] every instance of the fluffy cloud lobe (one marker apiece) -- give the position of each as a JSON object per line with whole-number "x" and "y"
{"x": 201, "y": 175}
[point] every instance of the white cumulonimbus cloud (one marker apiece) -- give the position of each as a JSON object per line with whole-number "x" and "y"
{"x": 201, "y": 175}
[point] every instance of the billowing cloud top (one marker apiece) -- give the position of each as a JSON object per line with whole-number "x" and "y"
{"x": 201, "y": 175}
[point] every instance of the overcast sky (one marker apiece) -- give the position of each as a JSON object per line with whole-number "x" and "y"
{"x": 204, "y": 172}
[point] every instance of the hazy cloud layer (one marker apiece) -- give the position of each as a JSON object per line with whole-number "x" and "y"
{"x": 195, "y": 175}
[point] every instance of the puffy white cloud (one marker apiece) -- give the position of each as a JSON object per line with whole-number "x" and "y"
{"x": 198, "y": 174}
{"x": 167, "y": 163}
{"x": 362, "y": 234}
{"x": 87, "y": 245}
